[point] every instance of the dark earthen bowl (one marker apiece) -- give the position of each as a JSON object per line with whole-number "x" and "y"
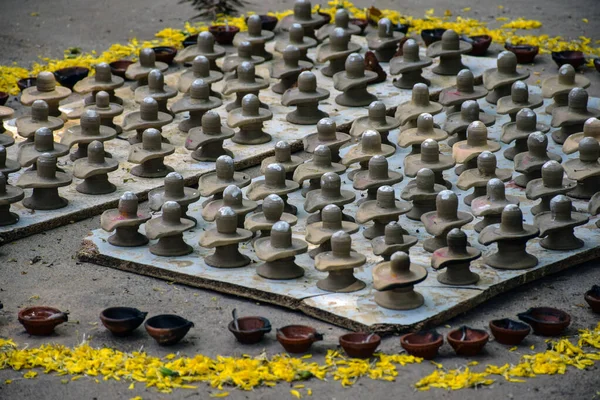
{"x": 480, "y": 43}
{"x": 251, "y": 329}
{"x": 223, "y": 34}
{"x": 190, "y": 40}
{"x": 68, "y": 77}
{"x": 26, "y": 82}
{"x": 326, "y": 19}
{"x": 268, "y": 22}
{"x": 507, "y": 331}
{"x": 168, "y": 329}
{"x": 597, "y": 64}
{"x": 592, "y": 297}
{"x": 575, "y": 58}
{"x": 546, "y": 321}
{"x": 432, "y": 35}
{"x": 422, "y": 344}
{"x": 402, "y": 28}
{"x": 40, "y": 320}
{"x": 297, "y": 338}
{"x": 467, "y": 341}
{"x": 361, "y": 23}
{"x": 165, "y": 54}
{"x": 525, "y": 53}
{"x": 119, "y": 67}
{"x": 121, "y": 321}
{"x": 355, "y": 345}
{"x": 3, "y": 98}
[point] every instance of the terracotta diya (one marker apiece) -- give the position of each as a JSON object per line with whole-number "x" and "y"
{"x": 441, "y": 221}
{"x": 122, "y": 321}
{"x": 395, "y": 239}
{"x": 342, "y": 21}
{"x": 94, "y": 170}
{"x": 410, "y": 65}
{"x": 422, "y": 192}
{"x": 272, "y": 212}
{"x": 509, "y": 332}
{"x": 558, "y": 87}
{"x": 168, "y": 228}
{"x": 46, "y": 89}
{"x": 283, "y": 156}
{"x": 168, "y": 329}
{"x": 89, "y": 131}
{"x": 422, "y": 344}
{"x": 360, "y": 345}
{"x": 125, "y": 221}
{"x": 465, "y": 89}
{"x": 39, "y": 118}
{"x": 214, "y": 183}
{"x": 174, "y": 190}
{"x": 140, "y": 70}
{"x": 232, "y": 198}
{"x": 249, "y": 119}
{"x": 150, "y": 156}
{"x": 385, "y": 41}
{"x": 336, "y": 51}
{"x": 557, "y": 225}
{"x": 288, "y": 69}
{"x": 450, "y": 50}
{"x": 519, "y": 99}
{"x": 295, "y": 37}
{"x": 297, "y": 338}
{"x": 519, "y": 131}
{"x": 467, "y": 341}
{"x": 425, "y": 130}
{"x": 376, "y": 120}
{"x": 456, "y": 259}
{"x": 585, "y": 169}
{"x": 591, "y": 128}
{"x": 381, "y": 211}
{"x": 40, "y": 320}
{"x": 500, "y": 79}
{"x": 313, "y": 169}
{"x": 570, "y": 118}
{"x": 429, "y": 158}
{"x": 546, "y": 321}
{"x": 408, "y": 112}
{"x": 340, "y": 263}
{"x": 370, "y": 145}
{"x": 328, "y": 136}
{"x": 376, "y": 176}
{"x": 305, "y": 97}
{"x": 551, "y": 183}
{"x": 205, "y": 46}
{"x": 320, "y": 232}
{"x": 10, "y": 195}
{"x": 530, "y": 163}
{"x": 256, "y": 36}
{"x": 102, "y": 81}
{"x": 479, "y": 177}
{"x": 592, "y": 297}
{"x": 491, "y": 205}
{"x": 147, "y": 117}
{"x": 206, "y": 141}
{"x": 465, "y": 152}
{"x": 274, "y": 182}
{"x": 279, "y": 251}
{"x": 394, "y": 281}
{"x": 458, "y": 122}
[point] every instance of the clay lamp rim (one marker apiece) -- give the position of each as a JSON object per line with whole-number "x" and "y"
{"x": 597, "y": 63}
{"x": 25, "y": 83}
{"x": 360, "y": 344}
{"x": 298, "y": 334}
{"x": 224, "y": 34}
{"x": 592, "y": 297}
{"x": 316, "y": 234}
{"x": 70, "y": 76}
{"x": 255, "y": 325}
{"x": 167, "y": 329}
{"x": 325, "y": 53}
{"x": 431, "y": 36}
{"x": 525, "y": 52}
{"x": 41, "y": 320}
{"x": 119, "y": 67}
{"x": 455, "y": 121}
{"x": 190, "y": 40}
{"x": 509, "y": 326}
{"x": 546, "y": 320}
{"x": 573, "y": 57}
{"x": 422, "y": 340}
{"x": 467, "y": 335}
{"x": 165, "y": 54}
{"x": 480, "y": 44}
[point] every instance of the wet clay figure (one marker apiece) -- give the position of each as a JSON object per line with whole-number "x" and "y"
{"x": 425, "y": 130}
{"x": 519, "y": 99}
{"x": 206, "y": 141}
{"x": 511, "y": 236}
{"x": 43, "y": 143}
{"x": 422, "y": 192}
{"x": 478, "y": 178}
{"x": 102, "y": 81}
{"x": 456, "y": 258}
{"x": 288, "y": 69}
{"x": 381, "y": 211}
{"x": 385, "y": 41}
{"x": 394, "y": 281}
{"x": 585, "y": 169}
{"x": 519, "y": 131}
{"x": 458, "y": 122}
{"x": 94, "y": 170}
{"x": 233, "y": 61}
{"x": 147, "y": 117}
{"x": 150, "y": 156}
{"x": 394, "y": 239}
{"x": 279, "y": 251}
{"x": 39, "y": 118}
{"x": 283, "y": 156}
{"x": 156, "y": 89}
{"x": 174, "y": 190}
{"x": 8, "y": 166}
{"x": 499, "y": 80}
{"x": 450, "y": 50}
{"x": 233, "y": 198}
{"x": 340, "y": 263}
{"x": 530, "y": 163}
{"x": 305, "y": 97}
{"x": 256, "y": 36}
{"x": 342, "y": 21}
{"x": 168, "y": 228}
{"x": 570, "y": 118}
{"x": 336, "y": 51}
{"x": 369, "y": 146}
{"x": 328, "y": 136}
{"x": 313, "y": 169}
{"x": 446, "y": 217}
{"x": 558, "y": 87}
{"x": 295, "y": 37}
{"x": 465, "y": 152}
{"x": 408, "y": 112}
{"x": 45, "y": 181}
{"x": 429, "y": 158}
{"x": 89, "y": 131}
{"x": 376, "y": 176}
{"x": 249, "y": 118}
{"x": 376, "y": 120}
{"x": 320, "y": 232}
{"x": 5, "y": 113}
{"x": 465, "y": 89}
{"x": 330, "y": 193}
{"x": 200, "y": 70}
{"x": 303, "y": 16}
{"x": 274, "y": 182}
{"x": 214, "y": 183}
{"x": 552, "y": 183}
{"x": 106, "y": 110}
{"x": 197, "y": 102}
{"x": 557, "y": 225}
{"x": 46, "y": 89}
{"x": 410, "y": 65}
{"x": 272, "y": 212}
{"x": 9, "y": 195}
{"x": 140, "y": 70}
{"x": 591, "y": 128}
{"x": 353, "y": 83}
{"x": 491, "y": 205}
{"x": 246, "y": 82}
{"x": 205, "y": 46}
{"x": 125, "y": 221}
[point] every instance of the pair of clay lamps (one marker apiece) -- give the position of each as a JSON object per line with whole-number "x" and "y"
{"x": 313, "y": 169}
{"x": 591, "y": 128}
{"x": 465, "y": 89}
{"x": 147, "y": 117}
{"x": 341, "y": 21}
{"x": 288, "y": 69}
{"x": 205, "y": 47}
{"x": 511, "y": 235}
{"x": 140, "y": 70}
{"x": 10, "y": 195}
{"x": 456, "y": 259}
{"x": 353, "y": 83}
{"x": 306, "y": 97}
{"x": 422, "y": 192}
{"x": 330, "y": 193}
{"x": 446, "y": 217}
{"x": 585, "y": 169}
{"x": 376, "y": 120}
{"x": 466, "y": 152}
{"x": 102, "y": 81}
{"x": 214, "y": 183}
{"x": 45, "y": 181}
{"x": 552, "y": 183}
{"x": 394, "y": 281}
{"x": 519, "y": 99}
{"x": 106, "y": 110}
{"x": 94, "y": 170}
{"x": 530, "y": 163}
{"x": 558, "y": 87}
{"x": 499, "y": 80}
{"x": 416, "y": 136}
{"x": 450, "y": 50}
{"x": 395, "y": 238}
{"x": 518, "y": 132}
{"x": 272, "y": 212}
{"x": 246, "y": 82}
{"x": 196, "y": 102}
{"x": 233, "y": 198}
{"x": 296, "y": 38}
{"x": 283, "y": 156}
{"x": 376, "y": 176}
{"x": 279, "y": 251}
{"x": 8, "y": 166}
{"x": 200, "y": 70}
{"x": 150, "y": 156}
{"x": 340, "y": 263}
{"x": 385, "y": 41}
{"x": 43, "y": 143}
{"x": 89, "y": 131}
{"x": 408, "y": 112}
{"x": 206, "y": 141}
{"x": 157, "y": 90}
{"x": 249, "y": 119}
{"x": 410, "y": 65}
{"x": 46, "y": 89}
{"x": 256, "y": 36}
{"x": 320, "y": 232}
{"x": 458, "y": 122}
{"x": 125, "y": 221}
{"x": 39, "y": 118}
{"x": 431, "y": 159}
{"x": 174, "y": 190}
{"x": 233, "y": 61}
{"x": 370, "y": 145}
{"x": 556, "y": 226}
{"x": 168, "y": 228}
{"x": 381, "y": 211}
{"x": 336, "y": 51}
{"x": 491, "y": 205}
{"x": 303, "y": 16}
{"x": 479, "y": 177}
{"x": 274, "y": 182}
{"x": 327, "y": 136}
{"x": 571, "y": 118}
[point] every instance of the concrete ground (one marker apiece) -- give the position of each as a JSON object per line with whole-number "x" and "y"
{"x": 58, "y": 279}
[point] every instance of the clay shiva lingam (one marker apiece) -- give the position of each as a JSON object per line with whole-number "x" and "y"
{"x": 340, "y": 263}
{"x": 150, "y": 156}
{"x": 288, "y": 70}
{"x": 381, "y": 211}
{"x": 353, "y": 83}
{"x": 342, "y": 21}
{"x": 320, "y": 232}
{"x": 410, "y": 65}
{"x": 200, "y": 70}
{"x": 272, "y": 212}
{"x": 591, "y": 128}
{"x": 395, "y": 239}
{"x": 425, "y": 130}
{"x": 125, "y": 221}
{"x": 422, "y": 192}
{"x": 456, "y": 258}
{"x": 431, "y": 159}
{"x": 450, "y": 50}
{"x": 94, "y": 170}
{"x": 570, "y": 118}
{"x": 295, "y": 37}
{"x": 168, "y": 228}
{"x": 5, "y": 113}
{"x": 256, "y": 36}
{"x": 39, "y": 118}
{"x": 43, "y": 143}
{"x": 511, "y": 236}
{"x": 8, "y": 166}
{"x": 369, "y": 146}
{"x": 530, "y": 163}
{"x": 45, "y": 181}
{"x": 465, "y": 152}
{"x": 225, "y": 239}
{"x": 279, "y": 251}
{"x": 552, "y": 183}
{"x": 233, "y": 198}
{"x": 274, "y": 182}
{"x": 478, "y": 178}
{"x": 140, "y": 70}
{"x": 106, "y": 110}
{"x": 283, "y": 156}
{"x": 385, "y": 41}
{"x": 11, "y": 194}
{"x": 214, "y": 183}
{"x": 249, "y": 118}
{"x": 519, "y": 99}
{"x": 197, "y": 102}
{"x": 313, "y": 169}
{"x": 46, "y": 89}
{"x": 453, "y": 97}
{"x": 328, "y": 136}
{"x": 585, "y": 169}
{"x": 500, "y": 79}
{"x": 446, "y": 217}
{"x": 206, "y": 141}
{"x": 458, "y": 122}
{"x": 205, "y": 46}
{"x": 330, "y": 193}
{"x": 89, "y": 131}
{"x": 491, "y": 205}
{"x": 157, "y": 90}
{"x": 558, "y": 87}
{"x": 303, "y": 16}
{"x": 102, "y": 81}
{"x": 246, "y": 82}
{"x": 376, "y": 120}
{"x": 336, "y": 51}
{"x": 376, "y": 176}
{"x": 233, "y": 61}
{"x": 394, "y": 281}
{"x": 408, "y": 112}
{"x": 557, "y": 225}
{"x": 147, "y": 117}
{"x": 174, "y": 190}
{"x": 518, "y": 131}
{"x": 306, "y": 97}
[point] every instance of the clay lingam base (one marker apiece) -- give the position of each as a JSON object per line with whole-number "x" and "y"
{"x": 570, "y": 118}
{"x": 272, "y": 212}
{"x": 530, "y": 163}
{"x": 197, "y": 102}
{"x": 340, "y": 263}
{"x": 200, "y": 70}
{"x": 500, "y": 79}
{"x": 431, "y": 159}
{"x": 157, "y": 90}
{"x": 206, "y": 141}
{"x": 313, "y": 169}
{"x": 376, "y": 176}
{"x": 288, "y": 69}
{"x": 8, "y": 166}
{"x": 319, "y": 233}
{"x": 394, "y": 281}
{"x": 410, "y": 65}
{"x": 479, "y": 177}
{"x": 456, "y": 258}
{"x": 102, "y": 80}
{"x": 385, "y": 41}
{"x": 283, "y": 156}
{"x": 125, "y": 221}
{"x": 458, "y": 122}
{"x": 422, "y": 192}
{"x": 591, "y": 128}
{"x": 518, "y": 100}
{"x": 233, "y": 198}
{"x": 174, "y": 190}
{"x": 446, "y": 217}
{"x": 296, "y": 38}
{"x": 225, "y": 239}
{"x": 394, "y": 239}
{"x": 342, "y": 21}
{"x": 140, "y": 70}
{"x": 43, "y": 143}
{"x": 353, "y": 83}
{"x": 256, "y": 36}
{"x": 150, "y": 155}
{"x": 518, "y": 131}
{"x": 336, "y": 51}
{"x": 247, "y": 82}
{"x": 425, "y": 130}
{"x": 449, "y": 50}
{"x": 381, "y": 211}
{"x": 330, "y": 193}
{"x": 5, "y": 113}
{"x": 45, "y": 181}
{"x": 305, "y": 97}
{"x": 557, "y": 225}
{"x": 46, "y": 89}
{"x": 89, "y": 131}
{"x": 328, "y": 136}
{"x": 168, "y": 228}
{"x": 249, "y": 118}
{"x": 558, "y": 87}
{"x": 233, "y": 61}
{"x": 551, "y": 183}
{"x": 491, "y": 205}
{"x": 465, "y": 89}
{"x": 205, "y": 46}
{"x": 466, "y": 152}
{"x": 408, "y": 112}
{"x": 9, "y": 195}
{"x": 214, "y": 183}
{"x": 94, "y": 170}
{"x": 274, "y": 182}
{"x": 106, "y": 110}
{"x": 147, "y": 117}
{"x": 585, "y": 169}
{"x": 279, "y": 251}
{"x": 376, "y": 120}
{"x": 39, "y": 118}
{"x": 303, "y": 16}
{"x": 369, "y": 146}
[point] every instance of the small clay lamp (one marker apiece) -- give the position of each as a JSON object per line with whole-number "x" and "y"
{"x": 102, "y": 81}
{"x": 394, "y": 239}
{"x": 408, "y": 112}
{"x": 340, "y": 263}
{"x": 376, "y": 176}
{"x": 9, "y": 195}
{"x": 491, "y": 205}
{"x": 140, "y": 70}
{"x": 168, "y": 228}
{"x": 353, "y": 83}
{"x": 274, "y": 183}
{"x": 446, "y": 217}
{"x": 342, "y": 21}
{"x": 246, "y": 82}
{"x": 519, "y": 99}
{"x": 8, "y": 166}
{"x": 46, "y": 89}
{"x": 591, "y": 128}
{"x": 44, "y": 181}
{"x": 256, "y": 36}
{"x": 249, "y": 118}
{"x": 147, "y": 117}
{"x": 283, "y": 156}
{"x": 381, "y": 211}
{"x": 431, "y": 159}
{"x": 306, "y": 97}
{"x": 295, "y": 37}
{"x": 570, "y": 118}
{"x": 465, "y": 89}
{"x": 425, "y": 130}
{"x": 458, "y": 122}
{"x": 557, "y": 225}
{"x": 288, "y": 69}
{"x": 585, "y": 169}
{"x": 197, "y": 102}
{"x": 233, "y": 198}
{"x": 272, "y": 212}
{"x": 465, "y": 152}
{"x": 125, "y": 221}
{"x": 214, "y": 183}
{"x": 558, "y": 87}
{"x": 500, "y": 79}
{"x": 150, "y": 155}
{"x": 376, "y": 120}
{"x": 206, "y": 141}
{"x": 519, "y": 131}
{"x": 279, "y": 251}
{"x": 39, "y": 118}
{"x": 330, "y": 193}
{"x": 233, "y": 61}
{"x": 394, "y": 281}
{"x": 478, "y": 178}
{"x": 385, "y": 41}
{"x": 313, "y": 169}
{"x": 106, "y": 110}
{"x": 94, "y": 170}
{"x": 174, "y": 190}
{"x": 422, "y": 192}
{"x": 369, "y": 146}
{"x": 205, "y": 46}
{"x": 225, "y": 239}
{"x": 410, "y": 65}
{"x": 200, "y": 70}
{"x": 5, "y": 113}
{"x": 511, "y": 235}
{"x": 328, "y": 136}
{"x": 320, "y": 232}
{"x": 303, "y": 16}
{"x": 449, "y": 50}
{"x": 551, "y": 183}
{"x": 43, "y": 143}
{"x": 157, "y": 90}
{"x": 456, "y": 258}
{"x": 530, "y": 163}
{"x": 89, "y": 131}
{"x": 336, "y": 51}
